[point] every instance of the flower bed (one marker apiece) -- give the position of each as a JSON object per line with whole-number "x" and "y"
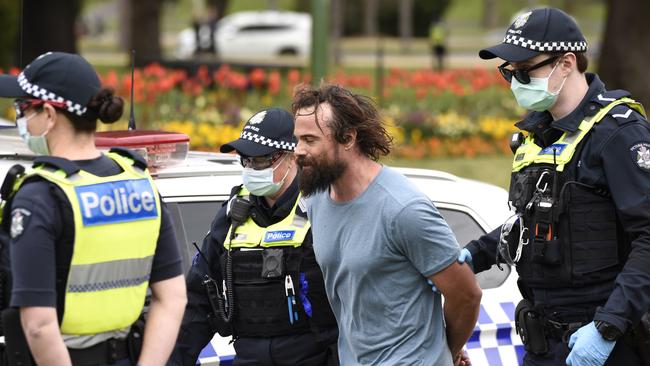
{"x": 466, "y": 112}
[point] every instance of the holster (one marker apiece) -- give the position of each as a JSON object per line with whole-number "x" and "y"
{"x": 17, "y": 349}
{"x": 530, "y": 327}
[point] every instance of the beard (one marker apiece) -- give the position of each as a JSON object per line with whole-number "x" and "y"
{"x": 317, "y": 174}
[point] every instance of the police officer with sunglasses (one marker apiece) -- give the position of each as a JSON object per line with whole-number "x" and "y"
{"x": 256, "y": 276}
{"x": 580, "y": 239}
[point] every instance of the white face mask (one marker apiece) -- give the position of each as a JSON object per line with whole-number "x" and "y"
{"x": 260, "y": 182}
{"x": 535, "y": 96}
{"x": 37, "y": 144}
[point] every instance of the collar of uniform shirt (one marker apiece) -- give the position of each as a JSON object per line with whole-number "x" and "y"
{"x": 283, "y": 204}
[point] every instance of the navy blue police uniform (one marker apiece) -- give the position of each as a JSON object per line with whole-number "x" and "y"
{"x": 313, "y": 344}
{"x": 579, "y": 188}
{"x": 40, "y": 223}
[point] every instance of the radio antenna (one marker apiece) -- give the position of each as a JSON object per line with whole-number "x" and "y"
{"x": 132, "y": 115}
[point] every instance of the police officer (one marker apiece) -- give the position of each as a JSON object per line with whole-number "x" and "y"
{"x": 264, "y": 287}
{"x": 89, "y": 233}
{"x": 580, "y": 236}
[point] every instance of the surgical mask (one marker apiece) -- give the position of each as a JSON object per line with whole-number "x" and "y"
{"x": 535, "y": 96}
{"x": 37, "y": 144}
{"x": 260, "y": 182}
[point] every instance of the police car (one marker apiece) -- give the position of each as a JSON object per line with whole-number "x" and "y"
{"x": 195, "y": 184}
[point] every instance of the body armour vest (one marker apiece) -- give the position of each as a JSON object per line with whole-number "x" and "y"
{"x": 116, "y": 223}
{"x": 571, "y": 236}
{"x": 278, "y": 286}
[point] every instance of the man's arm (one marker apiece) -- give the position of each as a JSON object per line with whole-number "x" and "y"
{"x": 462, "y": 303}
{"x": 195, "y": 330}
{"x": 168, "y": 301}
{"x": 628, "y": 179}
{"x": 41, "y": 328}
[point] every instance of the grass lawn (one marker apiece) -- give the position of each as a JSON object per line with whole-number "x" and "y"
{"x": 491, "y": 169}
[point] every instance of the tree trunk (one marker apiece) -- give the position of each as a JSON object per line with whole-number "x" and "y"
{"x": 406, "y": 24}
{"x": 625, "y": 48}
{"x": 48, "y": 26}
{"x": 490, "y": 14}
{"x": 146, "y": 40}
{"x": 337, "y": 28}
{"x": 370, "y": 15}
{"x": 220, "y": 5}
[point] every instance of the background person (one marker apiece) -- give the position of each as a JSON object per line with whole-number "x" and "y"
{"x": 580, "y": 238}
{"x": 80, "y": 265}
{"x": 280, "y": 315}
{"x": 378, "y": 239}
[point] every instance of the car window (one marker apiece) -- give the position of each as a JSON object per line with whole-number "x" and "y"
{"x": 466, "y": 229}
{"x": 264, "y": 28}
{"x": 191, "y": 222}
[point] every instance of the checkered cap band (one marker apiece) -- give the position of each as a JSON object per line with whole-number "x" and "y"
{"x": 43, "y": 94}
{"x": 545, "y": 46}
{"x": 283, "y": 145}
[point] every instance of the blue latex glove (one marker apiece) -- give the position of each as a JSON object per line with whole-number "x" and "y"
{"x": 588, "y": 347}
{"x": 464, "y": 256}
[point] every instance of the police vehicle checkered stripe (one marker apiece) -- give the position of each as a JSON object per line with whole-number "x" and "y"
{"x": 545, "y": 46}
{"x": 43, "y": 94}
{"x": 494, "y": 341}
{"x": 108, "y": 285}
{"x": 267, "y": 141}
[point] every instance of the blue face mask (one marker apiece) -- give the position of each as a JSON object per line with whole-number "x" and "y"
{"x": 260, "y": 182}
{"x": 535, "y": 96}
{"x": 37, "y": 144}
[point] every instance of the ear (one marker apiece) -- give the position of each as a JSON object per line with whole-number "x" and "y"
{"x": 51, "y": 116}
{"x": 567, "y": 63}
{"x": 349, "y": 138}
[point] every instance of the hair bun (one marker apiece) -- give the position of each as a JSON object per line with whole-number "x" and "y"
{"x": 108, "y": 106}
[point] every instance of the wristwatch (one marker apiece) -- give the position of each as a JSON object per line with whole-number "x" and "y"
{"x": 609, "y": 331}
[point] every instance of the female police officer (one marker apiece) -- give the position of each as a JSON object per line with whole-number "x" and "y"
{"x": 88, "y": 231}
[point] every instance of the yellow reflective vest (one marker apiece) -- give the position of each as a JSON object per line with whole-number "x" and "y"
{"x": 291, "y": 231}
{"x": 116, "y": 223}
{"x": 561, "y": 152}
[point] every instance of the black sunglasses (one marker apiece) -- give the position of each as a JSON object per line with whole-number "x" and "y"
{"x": 522, "y": 74}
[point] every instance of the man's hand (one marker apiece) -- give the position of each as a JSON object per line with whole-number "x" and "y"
{"x": 461, "y": 359}
{"x": 588, "y": 347}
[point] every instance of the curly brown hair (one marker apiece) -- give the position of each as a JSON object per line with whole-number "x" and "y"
{"x": 350, "y": 111}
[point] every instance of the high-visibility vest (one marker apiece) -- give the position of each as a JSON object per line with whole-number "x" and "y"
{"x": 116, "y": 226}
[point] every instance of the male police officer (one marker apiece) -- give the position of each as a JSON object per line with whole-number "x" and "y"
{"x": 270, "y": 294}
{"x": 580, "y": 238}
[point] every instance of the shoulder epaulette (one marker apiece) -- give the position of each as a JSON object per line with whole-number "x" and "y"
{"x": 609, "y": 96}
{"x": 57, "y": 163}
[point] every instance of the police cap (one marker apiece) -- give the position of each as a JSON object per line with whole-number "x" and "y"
{"x": 535, "y": 32}
{"x": 55, "y": 76}
{"x": 268, "y": 131}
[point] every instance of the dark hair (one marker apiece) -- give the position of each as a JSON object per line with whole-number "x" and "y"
{"x": 104, "y": 105}
{"x": 581, "y": 59}
{"x": 350, "y": 111}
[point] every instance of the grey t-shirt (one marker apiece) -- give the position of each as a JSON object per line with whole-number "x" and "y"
{"x": 376, "y": 252}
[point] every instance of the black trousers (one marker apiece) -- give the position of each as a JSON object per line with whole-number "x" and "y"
{"x": 558, "y": 351}
{"x": 294, "y": 350}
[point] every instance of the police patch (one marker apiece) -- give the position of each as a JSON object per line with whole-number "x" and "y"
{"x": 641, "y": 154}
{"x": 19, "y": 219}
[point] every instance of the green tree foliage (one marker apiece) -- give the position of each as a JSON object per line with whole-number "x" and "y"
{"x": 388, "y": 16}
{"x": 10, "y": 20}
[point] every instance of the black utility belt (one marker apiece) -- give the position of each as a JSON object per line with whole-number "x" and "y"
{"x": 109, "y": 351}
